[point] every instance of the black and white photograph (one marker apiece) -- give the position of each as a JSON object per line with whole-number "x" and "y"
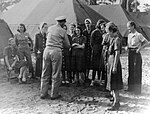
{"x": 74, "y": 56}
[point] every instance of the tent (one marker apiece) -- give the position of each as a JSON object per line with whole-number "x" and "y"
{"x": 33, "y": 12}
{"x": 120, "y": 17}
{"x": 5, "y": 34}
{"x": 114, "y": 13}
{"x": 142, "y": 16}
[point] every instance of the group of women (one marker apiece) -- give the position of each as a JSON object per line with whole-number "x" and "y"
{"x": 96, "y": 49}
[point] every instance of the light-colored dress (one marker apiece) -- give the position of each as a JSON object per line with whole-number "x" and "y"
{"x": 114, "y": 81}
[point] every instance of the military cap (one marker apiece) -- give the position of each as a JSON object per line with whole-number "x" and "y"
{"x": 60, "y": 18}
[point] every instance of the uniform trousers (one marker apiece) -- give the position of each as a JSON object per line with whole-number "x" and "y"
{"x": 52, "y": 63}
{"x": 135, "y": 71}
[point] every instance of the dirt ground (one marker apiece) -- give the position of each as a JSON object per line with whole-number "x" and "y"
{"x": 24, "y": 98}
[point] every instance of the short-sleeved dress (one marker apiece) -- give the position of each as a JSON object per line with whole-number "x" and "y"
{"x": 114, "y": 81}
{"x": 78, "y": 57}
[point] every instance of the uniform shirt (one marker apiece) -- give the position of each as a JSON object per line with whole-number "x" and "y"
{"x": 135, "y": 40}
{"x": 22, "y": 40}
{"x": 57, "y": 37}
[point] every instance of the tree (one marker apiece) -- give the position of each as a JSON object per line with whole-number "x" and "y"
{"x": 92, "y": 2}
{"x": 134, "y": 6}
{"x": 4, "y": 4}
{"x": 112, "y": 1}
{"x": 126, "y": 4}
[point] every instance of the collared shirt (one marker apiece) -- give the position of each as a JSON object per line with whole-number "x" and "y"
{"x": 135, "y": 40}
{"x": 57, "y": 37}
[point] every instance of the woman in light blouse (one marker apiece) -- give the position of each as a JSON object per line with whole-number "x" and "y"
{"x": 22, "y": 39}
{"x": 136, "y": 42}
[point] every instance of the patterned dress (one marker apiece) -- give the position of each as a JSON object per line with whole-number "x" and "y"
{"x": 114, "y": 81}
{"x": 78, "y": 57}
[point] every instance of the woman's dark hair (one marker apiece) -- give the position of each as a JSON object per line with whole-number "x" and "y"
{"x": 22, "y": 26}
{"x": 132, "y": 23}
{"x": 81, "y": 31}
{"x": 112, "y": 28}
{"x": 99, "y": 22}
{"x": 44, "y": 25}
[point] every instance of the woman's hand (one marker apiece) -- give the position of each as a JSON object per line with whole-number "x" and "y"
{"x": 138, "y": 50}
{"x": 75, "y": 44}
{"x": 114, "y": 70}
{"x": 10, "y": 68}
{"x": 126, "y": 48}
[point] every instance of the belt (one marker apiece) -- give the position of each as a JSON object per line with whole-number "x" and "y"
{"x": 132, "y": 49}
{"x": 51, "y": 46}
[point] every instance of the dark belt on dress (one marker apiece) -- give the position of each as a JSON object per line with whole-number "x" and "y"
{"x": 132, "y": 49}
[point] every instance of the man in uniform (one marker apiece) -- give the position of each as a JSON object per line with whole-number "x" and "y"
{"x": 52, "y": 59}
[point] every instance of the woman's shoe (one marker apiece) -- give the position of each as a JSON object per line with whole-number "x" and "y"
{"x": 115, "y": 107}
{"x": 24, "y": 79}
{"x": 92, "y": 83}
{"x": 19, "y": 81}
{"x": 67, "y": 83}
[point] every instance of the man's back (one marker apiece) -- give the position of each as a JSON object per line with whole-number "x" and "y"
{"x": 57, "y": 36}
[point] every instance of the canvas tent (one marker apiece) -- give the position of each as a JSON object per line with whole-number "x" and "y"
{"x": 120, "y": 17}
{"x": 144, "y": 17}
{"x": 5, "y": 34}
{"x": 33, "y": 12}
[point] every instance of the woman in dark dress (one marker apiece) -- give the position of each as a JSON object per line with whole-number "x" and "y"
{"x": 88, "y": 50}
{"x": 114, "y": 66}
{"x": 39, "y": 46}
{"x": 66, "y": 62}
{"x": 72, "y": 33}
{"x": 96, "y": 44}
{"x": 78, "y": 57}
{"x": 136, "y": 42}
